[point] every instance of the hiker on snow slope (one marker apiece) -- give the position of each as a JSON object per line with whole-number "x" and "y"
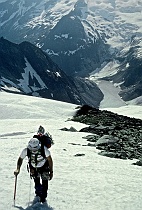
{"x": 40, "y": 163}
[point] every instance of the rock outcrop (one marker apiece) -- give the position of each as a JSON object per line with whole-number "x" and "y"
{"x": 114, "y": 135}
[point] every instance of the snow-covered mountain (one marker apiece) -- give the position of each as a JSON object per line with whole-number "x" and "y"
{"x": 115, "y": 20}
{"x": 76, "y": 34}
{"x": 26, "y": 69}
{"x": 129, "y": 71}
{"x": 125, "y": 71}
{"x": 81, "y": 36}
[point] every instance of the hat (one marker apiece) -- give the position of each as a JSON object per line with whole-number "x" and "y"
{"x": 34, "y": 144}
{"x": 41, "y": 129}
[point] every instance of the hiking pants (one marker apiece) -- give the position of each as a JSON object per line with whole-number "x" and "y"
{"x": 39, "y": 174}
{"x": 41, "y": 189}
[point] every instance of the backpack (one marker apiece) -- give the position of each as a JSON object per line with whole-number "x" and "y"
{"x": 39, "y": 140}
{"x": 34, "y": 150}
{"x": 45, "y": 139}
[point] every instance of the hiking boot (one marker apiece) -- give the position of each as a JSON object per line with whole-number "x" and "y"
{"x": 36, "y": 199}
{"x": 45, "y": 204}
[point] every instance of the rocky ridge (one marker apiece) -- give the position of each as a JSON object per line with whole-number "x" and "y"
{"x": 116, "y": 136}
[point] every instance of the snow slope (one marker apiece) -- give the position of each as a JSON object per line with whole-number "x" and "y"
{"x": 80, "y": 182}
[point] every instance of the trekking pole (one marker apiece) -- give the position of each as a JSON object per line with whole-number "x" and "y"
{"x": 15, "y": 188}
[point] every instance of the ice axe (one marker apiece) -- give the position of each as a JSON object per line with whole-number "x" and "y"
{"x": 15, "y": 188}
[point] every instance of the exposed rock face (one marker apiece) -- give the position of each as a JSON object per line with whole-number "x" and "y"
{"x": 89, "y": 91}
{"x": 129, "y": 71}
{"x": 81, "y": 36}
{"x": 69, "y": 46}
{"x": 26, "y": 69}
{"x": 115, "y": 135}
{"x": 64, "y": 31}
{"x": 68, "y": 31}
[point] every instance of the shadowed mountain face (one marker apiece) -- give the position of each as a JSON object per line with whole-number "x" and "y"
{"x": 129, "y": 71}
{"x": 27, "y": 69}
{"x": 66, "y": 30}
{"x": 69, "y": 46}
{"x": 81, "y": 36}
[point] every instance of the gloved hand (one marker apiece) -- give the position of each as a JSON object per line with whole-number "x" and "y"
{"x": 50, "y": 175}
{"x": 16, "y": 172}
